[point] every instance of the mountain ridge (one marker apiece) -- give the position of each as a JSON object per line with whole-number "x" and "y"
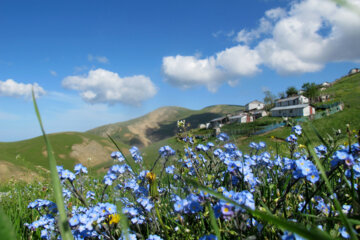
{"x": 160, "y": 123}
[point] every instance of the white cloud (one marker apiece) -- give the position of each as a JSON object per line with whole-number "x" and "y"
{"x": 284, "y": 61}
{"x": 226, "y": 66}
{"x": 247, "y": 37}
{"x": 224, "y": 33}
{"x": 102, "y": 86}
{"x": 216, "y": 34}
{"x": 275, "y": 13}
{"x": 52, "y": 72}
{"x": 189, "y": 71}
{"x": 310, "y": 34}
{"x": 100, "y": 59}
{"x": 10, "y": 88}
{"x": 78, "y": 69}
{"x": 238, "y": 61}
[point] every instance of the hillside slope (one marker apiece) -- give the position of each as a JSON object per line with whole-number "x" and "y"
{"x": 27, "y": 159}
{"x": 160, "y": 124}
{"x": 345, "y": 90}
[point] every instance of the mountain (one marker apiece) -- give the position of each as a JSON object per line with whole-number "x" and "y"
{"x": 160, "y": 124}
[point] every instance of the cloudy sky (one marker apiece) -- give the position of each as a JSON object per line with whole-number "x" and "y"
{"x": 95, "y": 62}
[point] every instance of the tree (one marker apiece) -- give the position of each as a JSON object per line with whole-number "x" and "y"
{"x": 291, "y": 91}
{"x": 269, "y": 99}
{"x": 311, "y": 91}
{"x": 281, "y": 94}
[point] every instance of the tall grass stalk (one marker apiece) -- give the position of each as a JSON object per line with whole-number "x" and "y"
{"x": 64, "y": 227}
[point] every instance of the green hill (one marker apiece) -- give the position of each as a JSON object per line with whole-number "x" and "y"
{"x": 160, "y": 124}
{"x": 27, "y": 159}
{"x": 345, "y": 90}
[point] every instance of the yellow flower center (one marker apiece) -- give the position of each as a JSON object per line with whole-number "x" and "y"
{"x": 114, "y": 218}
{"x": 150, "y": 176}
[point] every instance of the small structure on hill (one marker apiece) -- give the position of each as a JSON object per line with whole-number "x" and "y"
{"x": 259, "y": 113}
{"x": 256, "y": 109}
{"x": 241, "y": 118}
{"x": 254, "y": 105}
{"x": 297, "y": 106}
{"x": 324, "y": 86}
{"x": 353, "y": 71}
{"x": 219, "y": 122}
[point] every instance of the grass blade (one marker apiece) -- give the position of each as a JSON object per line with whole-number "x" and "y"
{"x": 64, "y": 227}
{"x": 123, "y": 221}
{"x": 319, "y": 136}
{"x": 353, "y": 221}
{"x": 6, "y": 228}
{"x": 213, "y": 221}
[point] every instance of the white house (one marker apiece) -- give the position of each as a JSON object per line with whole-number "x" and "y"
{"x": 291, "y": 101}
{"x": 296, "y": 106}
{"x": 241, "y": 118}
{"x": 299, "y": 110}
{"x": 254, "y": 105}
{"x": 354, "y": 70}
{"x": 325, "y": 84}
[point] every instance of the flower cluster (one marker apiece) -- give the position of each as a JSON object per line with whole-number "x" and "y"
{"x": 305, "y": 168}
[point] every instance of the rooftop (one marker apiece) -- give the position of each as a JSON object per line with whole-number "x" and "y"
{"x": 255, "y": 101}
{"x": 290, "y": 107}
{"x": 288, "y": 99}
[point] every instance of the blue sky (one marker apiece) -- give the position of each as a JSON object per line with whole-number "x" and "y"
{"x": 99, "y": 62}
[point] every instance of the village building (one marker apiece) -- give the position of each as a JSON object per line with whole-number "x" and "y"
{"x": 259, "y": 113}
{"x": 297, "y": 106}
{"x": 324, "y": 86}
{"x": 219, "y": 122}
{"x": 241, "y": 118}
{"x": 354, "y": 70}
{"x": 254, "y": 105}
